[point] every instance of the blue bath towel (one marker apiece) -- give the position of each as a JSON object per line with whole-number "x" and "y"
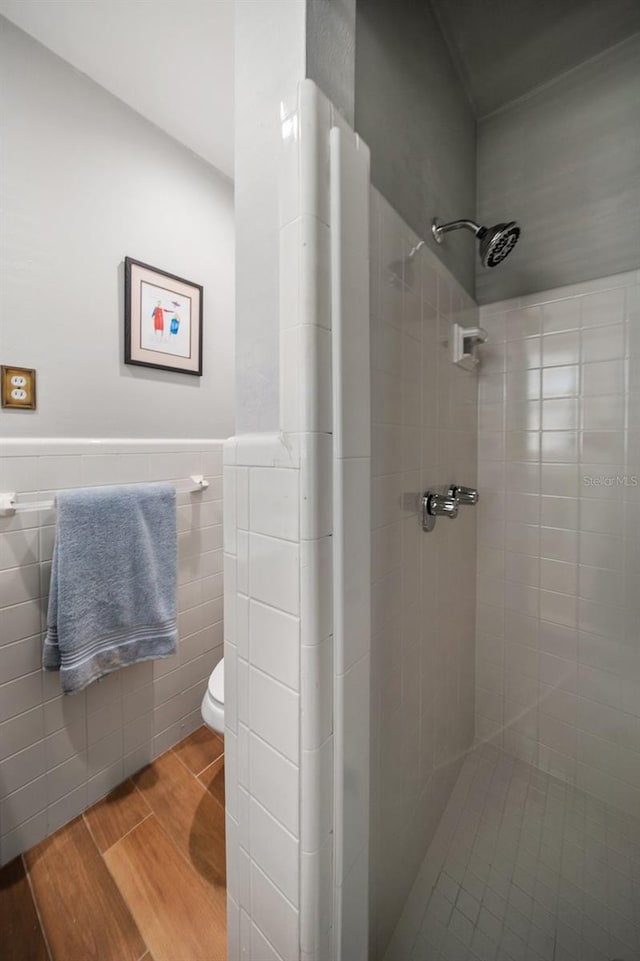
{"x": 112, "y": 599}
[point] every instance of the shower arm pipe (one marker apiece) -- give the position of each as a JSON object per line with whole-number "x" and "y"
{"x": 438, "y": 229}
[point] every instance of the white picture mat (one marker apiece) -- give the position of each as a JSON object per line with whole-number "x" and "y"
{"x": 145, "y": 347}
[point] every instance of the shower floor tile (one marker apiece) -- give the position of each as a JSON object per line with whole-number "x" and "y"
{"x": 139, "y": 876}
{"x": 525, "y": 868}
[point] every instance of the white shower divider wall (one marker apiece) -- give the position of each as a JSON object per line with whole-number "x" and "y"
{"x": 296, "y": 648}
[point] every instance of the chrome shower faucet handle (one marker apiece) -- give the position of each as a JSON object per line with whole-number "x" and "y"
{"x": 437, "y": 505}
{"x": 463, "y": 495}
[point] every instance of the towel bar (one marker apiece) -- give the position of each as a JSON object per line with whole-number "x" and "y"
{"x": 9, "y": 505}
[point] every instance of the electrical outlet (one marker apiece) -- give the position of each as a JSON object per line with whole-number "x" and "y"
{"x": 18, "y": 388}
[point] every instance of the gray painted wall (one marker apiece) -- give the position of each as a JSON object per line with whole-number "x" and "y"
{"x": 412, "y": 111}
{"x": 565, "y": 162}
{"x": 269, "y": 64}
{"x": 87, "y": 181}
{"x": 331, "y": 37}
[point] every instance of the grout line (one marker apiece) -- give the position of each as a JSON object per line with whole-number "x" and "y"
{"x": 151, "y": 814}
{"x": 136, "y": 786}
{"x": 35, "y": 905}
{"x": 88, "y": 827}
{"x": 185, "y": 857}
{"x": 207, "y": 792}
{"x": 172, "y": 750}
{"x": 206, "y": 768}
{"x": 185, "y": 766}
{"x": 224, "y": 812}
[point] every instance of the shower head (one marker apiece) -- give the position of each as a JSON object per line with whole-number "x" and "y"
{"x": 496, "y": 242}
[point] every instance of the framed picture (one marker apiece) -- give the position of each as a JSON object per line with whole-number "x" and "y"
{"x": 162, "y": 319}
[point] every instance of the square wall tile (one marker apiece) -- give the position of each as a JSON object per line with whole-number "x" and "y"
{"x": 274, "y": 502}
{"x": 274, "y": 714}
{"x": 274, "y": 572}
{"x": 274, "y": 641}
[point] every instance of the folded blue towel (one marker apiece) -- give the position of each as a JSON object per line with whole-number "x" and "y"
{"x": 112, "y": 599}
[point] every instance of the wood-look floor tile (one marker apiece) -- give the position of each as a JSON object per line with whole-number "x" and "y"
{"x": 213, "y": 779}
{"x": 200, "y": 749}
{"x": 180, "y": 916}
{"x": 82, "y": 910}
{"x": 116, "y": 815}
{"x": 188, "y": 813}
{"x": 20, "y": 930}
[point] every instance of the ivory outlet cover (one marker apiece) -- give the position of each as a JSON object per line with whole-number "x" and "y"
{"x": 18, "y": 388}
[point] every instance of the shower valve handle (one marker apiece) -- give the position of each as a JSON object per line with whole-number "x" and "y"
{"x": 437, "y": 505}
{"x": 463, "y": 495}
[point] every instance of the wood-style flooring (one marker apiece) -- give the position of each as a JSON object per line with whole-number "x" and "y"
{"x": 140, "y": 876}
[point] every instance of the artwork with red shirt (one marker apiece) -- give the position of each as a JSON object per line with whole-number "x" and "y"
{"x": 163, "y": 319}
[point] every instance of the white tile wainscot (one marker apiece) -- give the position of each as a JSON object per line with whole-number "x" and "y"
{"x": 59, "y": 754}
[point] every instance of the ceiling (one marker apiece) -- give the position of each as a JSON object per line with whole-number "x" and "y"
{"x": 170, "y": 61}
{"x": 506, "y": 48}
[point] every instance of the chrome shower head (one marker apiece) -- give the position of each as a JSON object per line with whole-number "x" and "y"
{"x": 496, "y": 242}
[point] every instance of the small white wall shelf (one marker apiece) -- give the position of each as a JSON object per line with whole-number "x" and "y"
{"x": 463, "y": 344}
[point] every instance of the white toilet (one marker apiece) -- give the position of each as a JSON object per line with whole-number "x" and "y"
{"x": 213, "y": 701}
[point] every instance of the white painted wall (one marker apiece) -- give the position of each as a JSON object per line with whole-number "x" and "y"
{"x": 85, "y": 182}
{"x": 172, "y": 62}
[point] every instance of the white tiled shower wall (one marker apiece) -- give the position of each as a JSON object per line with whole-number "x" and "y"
{"x": 424, "y": 424}
{"x": 558, "y": 645}
{"x": 59, "y": 754}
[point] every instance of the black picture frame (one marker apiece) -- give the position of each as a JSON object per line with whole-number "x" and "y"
{"x": 137, "y": 272}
